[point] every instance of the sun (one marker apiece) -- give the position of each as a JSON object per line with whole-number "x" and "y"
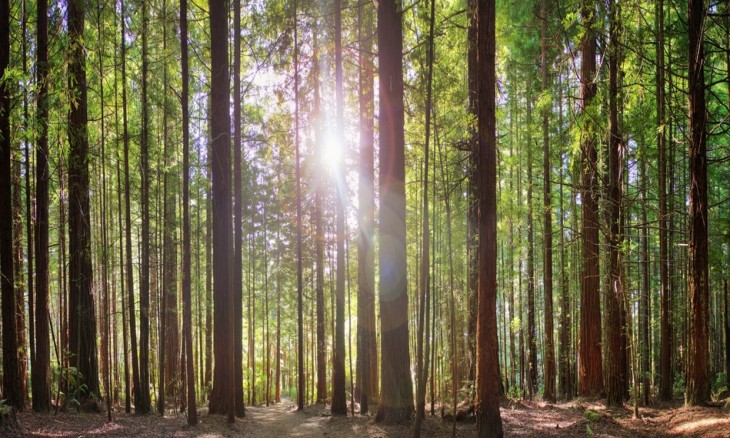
{"x": 332, "y": 155}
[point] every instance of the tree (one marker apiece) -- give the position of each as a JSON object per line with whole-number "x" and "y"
{"x": 12, "y": 392}
{"x": 489, "y": 422}
{"x": 186, "y": 292}
{"x": 665, "y": 329}
{"x": 40, "y": 369}
{"x": 144, "y": 405}
{"x": 367, "y": 360}
{"x": 82, "y": 317}
{"x": 590, "y": 372}
{"x": 615, "y": 296}
{"x": 422, "y": 358}
{"x": 223, "y": 395}
{"x": 238, "y": 216}
{"x": 698, "y": 382}
{"x": 396, "y": 404}
{"x": 339, "y": 402}
{"x": 549, "y": 388}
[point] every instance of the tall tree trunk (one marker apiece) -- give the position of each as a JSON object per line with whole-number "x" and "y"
{"x": 531, "y": 326}
{"x": 40, "y": 368}
{"x": 29, "y": 223}
{"x": 425, "y": 278}
{"x": 12, "y": 391}
{"x": 339, "y": 401}
{"x": 645, "y": 300}
{"x": 590, "y": 373}
{"x": 128, "y": 225}
{"x": 698, "y": 383}
{"x": 489, "y": 423}
{"x": 82, "y": 321}
{"x": 186, "y": 289}
{"x": 615, "y": 297}
{"x": 366, "y": 367}
{"x": 300, "y": 285}
{"x": 222, "y": 399}
{"x": 727, "y": 329}
{"x": 144, "y": 404}
{"x": 238, "y": 216}
{"x": 396, "y": 405}
{"x": 665, "y": 327}
{"x": 549, "y": 388}
{"x": 319, "y": 244}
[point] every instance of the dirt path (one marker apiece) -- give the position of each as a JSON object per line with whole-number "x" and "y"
{"x": 283, "y": 420}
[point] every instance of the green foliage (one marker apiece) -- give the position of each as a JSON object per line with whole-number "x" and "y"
{"x": 592, "y": 415}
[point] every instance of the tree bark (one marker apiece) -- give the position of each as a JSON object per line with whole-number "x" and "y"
{"x": 339, "y": 402}
{"x": 222, "y": 399}
{"x": 489, "y": 423}
{"x": 82, "y": 319}
{"x": 590, "y": 372}
{"x": 665, "y": 327}
{"x": 40, "y": 369}
{"x": 12, "y": 392}
{"x": 396, "y": 405}
{"x": 549, "y": 388}
{"x": 698, "y": 384}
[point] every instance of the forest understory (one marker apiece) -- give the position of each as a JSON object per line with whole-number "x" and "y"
{"x": 520, "y": 418}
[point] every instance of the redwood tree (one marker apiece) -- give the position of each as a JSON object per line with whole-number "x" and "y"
{"x": 396, "y": 404}
{"x": 222, "y": 397}
{"x": 12, "y": 392}
{"x": 40, "y": 369}
{"x": 698, "y": 367}
{"x": 489, "y": 422}
{"x": 82, "y": 317}
{"x": 590, "y": 371}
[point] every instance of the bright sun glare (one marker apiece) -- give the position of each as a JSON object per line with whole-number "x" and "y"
{"x": 331, "y": 152}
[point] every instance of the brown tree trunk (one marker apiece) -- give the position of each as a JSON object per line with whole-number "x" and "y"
{"x": 300, "y": 285}
{"x": 222, "y": 399}
{"x": 319, "y": 247}
{"x": 82, "y": 320}
{"x": 143, "y": 406}
{"x": 238, "y": 216}
{"x": 339, "y": 401}
{"x": 40, "y": 368}
{"x": 531, "y": 326}
{"x": 366, "y": 367}
{"x": 698, "y": 383}
{"x": 489, "y": 423}
{"x": 396, "y": 404}
{"x": 614, "y": 298}
{"x": 422, "y": 359}
{"x": 12, "y": 392}
{"x": 665, "y": 327}
{"x": 549, "y": 388}
{"x": 590, "y": 373}
{"x": 192, "y": 408}
{"x": 645, "y": 300}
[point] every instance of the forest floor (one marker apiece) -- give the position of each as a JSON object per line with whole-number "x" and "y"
{"x": 522, "y": 419}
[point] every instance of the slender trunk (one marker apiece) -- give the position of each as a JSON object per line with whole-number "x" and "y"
{"x": 238, "y": 216}
{"x": 192, "y": 408}
{"x": 665, "y": 327}
{"x": 422, "y": 358}
{"x": 615, "y": 297}
{"x": 40, "y": 369}
{"x": 644, "y": 303}
{"x": 366, "y": 368}
{"x": 300, "y": 285}
{"x": 531, "y": 326}
{"x": 339, "y": 401}
{"x": 549, "y": 388}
